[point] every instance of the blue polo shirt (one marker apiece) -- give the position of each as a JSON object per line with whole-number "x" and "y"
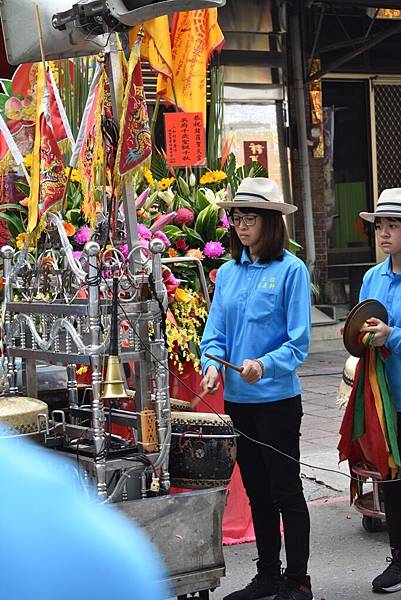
{"x": 260, "y": 311}
{"x": 380, "y": 283}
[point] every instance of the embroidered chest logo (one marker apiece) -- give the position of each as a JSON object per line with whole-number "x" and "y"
{"x": 265, "y": 284}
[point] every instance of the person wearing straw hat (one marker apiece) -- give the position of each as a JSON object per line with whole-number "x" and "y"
{"x": 260, "y": 320}
{"x": 383, "y": 282}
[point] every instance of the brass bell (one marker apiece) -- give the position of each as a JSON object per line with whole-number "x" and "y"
{"x": 114, "y": 384}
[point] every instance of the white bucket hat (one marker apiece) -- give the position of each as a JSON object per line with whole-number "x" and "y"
{"x": 347, "y": 381}
{"x": 258, "y": 192}
{"x": 388, "y": 205}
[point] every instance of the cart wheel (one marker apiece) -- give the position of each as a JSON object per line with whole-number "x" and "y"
{"x": 371, "y": 524}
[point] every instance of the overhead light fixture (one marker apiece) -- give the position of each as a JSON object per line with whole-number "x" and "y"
{"x": 384, "y": 13}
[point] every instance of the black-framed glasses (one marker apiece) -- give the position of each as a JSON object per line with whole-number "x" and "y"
{"x": 247, "y": 220}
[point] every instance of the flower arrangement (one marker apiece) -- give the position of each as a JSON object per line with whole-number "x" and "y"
{"x": 186, "y": 318}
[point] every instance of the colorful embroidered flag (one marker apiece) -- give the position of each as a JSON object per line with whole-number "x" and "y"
{"x": 369, "y": 427}
{"x": 135, "y": 144}
{"x": 48, "y": 177}
{"x": 58, "y": 116}
{"x": 91, "y": 148}
{"x": 195, "y": 36}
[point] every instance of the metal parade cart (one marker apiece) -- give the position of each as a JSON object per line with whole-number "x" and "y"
{"x": 60, "y": 310}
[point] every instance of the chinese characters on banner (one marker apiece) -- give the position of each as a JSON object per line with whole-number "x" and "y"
{"x": 185, "y": 139}
{"x": 256, "y": 152}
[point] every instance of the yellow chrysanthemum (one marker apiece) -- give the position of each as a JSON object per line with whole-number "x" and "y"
{"x": 165, "y": 183}
{"x": 74, "y": 175}
{"x": 212, "y": 177}
{"x": 149, "y": 178}
{"x": 28, "y": 159}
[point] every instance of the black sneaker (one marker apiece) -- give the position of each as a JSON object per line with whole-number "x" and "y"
{"x": 390, "y": 579}
{"x": 292, "y": 590}
{"x": 262, "y": 587}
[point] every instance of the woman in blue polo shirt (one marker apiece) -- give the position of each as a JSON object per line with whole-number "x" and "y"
{"x": 260, "y": 320}
{"x": 383, "y": 283}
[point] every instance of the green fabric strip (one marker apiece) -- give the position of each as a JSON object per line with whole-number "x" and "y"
{"x": 388, "y": 407}
{"x": 359, "y": 410}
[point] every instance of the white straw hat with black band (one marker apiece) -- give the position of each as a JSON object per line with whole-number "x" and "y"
{"x": 388, "y": 205}
{"x": 258, "y": 192}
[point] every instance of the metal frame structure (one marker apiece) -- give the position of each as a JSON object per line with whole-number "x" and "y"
{"x": 59, "y": 310}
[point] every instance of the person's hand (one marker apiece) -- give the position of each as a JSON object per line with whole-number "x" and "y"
{"x": 252, "y": 371}
{"x": 210, "y": 381}
{"x": 380, "y": 329}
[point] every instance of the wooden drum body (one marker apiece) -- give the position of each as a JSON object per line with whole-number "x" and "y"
{"x": 203, "y": 450}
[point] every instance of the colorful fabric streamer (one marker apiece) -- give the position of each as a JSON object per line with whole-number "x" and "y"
{"x": 369, "y": 427}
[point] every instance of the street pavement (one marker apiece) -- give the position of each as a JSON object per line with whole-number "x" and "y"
{"x": 344, "y": 557}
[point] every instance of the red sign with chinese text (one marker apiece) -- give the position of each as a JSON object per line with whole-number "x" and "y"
{"x": 256, "y": 152}
{"x": 185, "y": 139}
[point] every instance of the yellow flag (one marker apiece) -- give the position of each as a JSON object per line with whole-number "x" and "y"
{"x": 156, "y": 45}
{"x": 195, "y": 36}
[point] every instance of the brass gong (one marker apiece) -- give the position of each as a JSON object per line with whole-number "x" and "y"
{"x": 361, "y": 313}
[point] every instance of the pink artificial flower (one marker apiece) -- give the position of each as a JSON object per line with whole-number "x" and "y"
{"x": 83, "y": 235}
{"x": 224, "y": 219}
{"x": 124, "y": 250}
{"x": 141, "y": 200}
{"x": 143, "y": 232}
{"x": 171, "y": 283}
{"x": 184, "y": 216}
{"x": 213, "y": 249}
{"x": 77, "y": 254}
{"x": 162, "y": 222}
{"x": 181, "y": 245}
{"x": 162, "y": 236}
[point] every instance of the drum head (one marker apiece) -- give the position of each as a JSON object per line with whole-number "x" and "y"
{"x": 361, "y": 313}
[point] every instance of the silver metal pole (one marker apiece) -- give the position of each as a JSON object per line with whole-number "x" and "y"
{"x": 303, "y": 154}
{"x": 285, "y": 172}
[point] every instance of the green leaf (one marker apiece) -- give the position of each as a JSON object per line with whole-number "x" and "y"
{"x": 17, "y": 207}
{"x": 172, "y": 232}
{"x": 192, "y": 236}
{"x": 293, "y": 246}
{"x": 180, "y": 202}
{"x": 221, "y": 232}
{"x": 159, "y": 166}
{"x": 23, "y": 188}
{"x": 73, "y": 216}
{"x": 14, "y": 220}
{"x": 230, "y": 165}
{"x": 3, "y": 100}
{"x": 201, "y": 201}
{"x": 7, "y": 85}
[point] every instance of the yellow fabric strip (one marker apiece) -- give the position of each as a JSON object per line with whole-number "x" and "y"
{"x": 33, "y": 203}
{"x": 374, "y": 384}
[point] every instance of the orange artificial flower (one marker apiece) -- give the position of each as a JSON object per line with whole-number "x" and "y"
{"x": 69, "y": 228}
{"x": 24, "y": 202}
{"x": 196, "y": 253}
{"x": 172, "y": 253}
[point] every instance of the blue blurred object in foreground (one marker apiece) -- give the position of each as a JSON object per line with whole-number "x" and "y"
{"x": 57, "y": 543}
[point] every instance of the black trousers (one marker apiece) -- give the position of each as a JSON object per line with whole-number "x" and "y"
{"x": 392, "y": 503}
{"x": 272, "y": 481}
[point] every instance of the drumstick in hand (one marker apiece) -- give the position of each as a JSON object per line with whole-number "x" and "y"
{"x": 196, "y": 399}
{"x": 224, "y": 362}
